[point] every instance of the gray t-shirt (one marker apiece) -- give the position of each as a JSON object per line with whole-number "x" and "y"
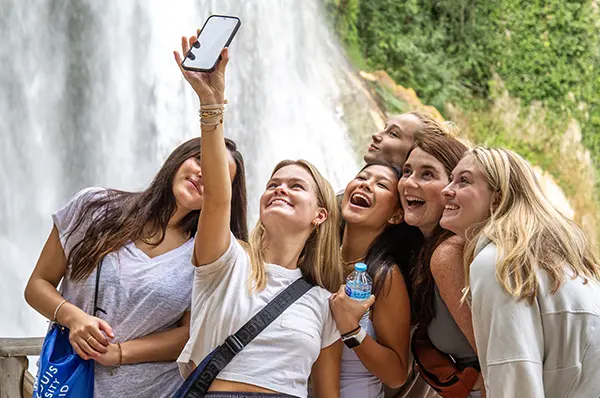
{"x": 141, "y": 296}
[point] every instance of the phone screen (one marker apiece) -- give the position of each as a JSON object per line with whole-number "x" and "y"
{"x": 213, "y": 38}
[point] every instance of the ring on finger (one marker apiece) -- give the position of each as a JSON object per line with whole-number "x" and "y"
{"x": 88, "y": 339}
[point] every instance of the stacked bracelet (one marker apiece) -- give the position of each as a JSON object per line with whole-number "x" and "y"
{"x": 211, "y": 115}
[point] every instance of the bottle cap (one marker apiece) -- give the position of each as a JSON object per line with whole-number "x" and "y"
{"x": 360, "y": 267}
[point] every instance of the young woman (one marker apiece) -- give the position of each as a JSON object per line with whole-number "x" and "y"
{"x": 144, "y": 241}
{"x": 532, "y": 278}
{"x": 296, "y": 236}
{"x": 375, "y": 234}
{"x": 438, "y": 275}
{"x": 393, "y": 143}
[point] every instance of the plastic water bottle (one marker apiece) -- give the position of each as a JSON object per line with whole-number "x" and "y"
{"x": 358, "y": 287}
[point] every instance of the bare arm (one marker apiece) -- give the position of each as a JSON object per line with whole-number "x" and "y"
{"x": 387, "y": 358}
{"x": 325, "y": 373}
{"x": 156, "y": 347}
{"x": 213, "y": 236}
{"x": 449, "y": 275}
{"x": 41, "y": 295}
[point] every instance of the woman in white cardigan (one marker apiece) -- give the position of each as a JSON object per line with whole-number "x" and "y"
{"x": 531, "y": 277}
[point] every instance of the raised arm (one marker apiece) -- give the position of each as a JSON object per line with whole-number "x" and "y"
{"x": 213, "y": 236}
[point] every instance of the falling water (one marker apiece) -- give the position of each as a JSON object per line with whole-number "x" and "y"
{"x": 91, "y": 96}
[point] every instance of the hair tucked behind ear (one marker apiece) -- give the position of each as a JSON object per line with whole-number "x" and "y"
{"x": 320, "y": 259}
{"x": 529, "y": 232}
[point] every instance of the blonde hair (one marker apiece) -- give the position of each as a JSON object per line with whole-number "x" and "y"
{"x": 527, "y": 229}
{"x": 432, "y": 126}
{"x": 320, "y": 258}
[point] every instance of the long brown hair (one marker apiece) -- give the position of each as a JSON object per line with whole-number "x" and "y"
{"x": 448, "y": 151}
{"x": 320, "y": 258}
{"x": 119, "y": 216}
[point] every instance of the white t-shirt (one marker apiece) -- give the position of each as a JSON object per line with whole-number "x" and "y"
{"x": 280, "y": 358}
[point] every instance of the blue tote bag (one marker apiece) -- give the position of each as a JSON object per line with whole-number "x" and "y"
{"x": 61, "y": 372}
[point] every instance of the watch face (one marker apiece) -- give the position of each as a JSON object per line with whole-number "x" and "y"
{"x": 351, "y": 342}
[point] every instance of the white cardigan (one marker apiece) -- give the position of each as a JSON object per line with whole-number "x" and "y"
{"x": 548, "y": 349}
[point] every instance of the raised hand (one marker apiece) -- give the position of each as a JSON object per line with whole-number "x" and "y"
{"x": 210, "y": 86}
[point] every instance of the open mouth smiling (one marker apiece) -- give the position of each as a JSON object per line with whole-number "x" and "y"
{"x": 279, "y": 201}
{"x": 414, "y": 202}
{"x": 360, "y": 200}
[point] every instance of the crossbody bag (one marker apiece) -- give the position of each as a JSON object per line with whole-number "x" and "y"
{"x": 198, "y": 383}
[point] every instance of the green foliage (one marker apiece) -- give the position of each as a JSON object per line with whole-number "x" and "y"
{"x": 448, "y": 51}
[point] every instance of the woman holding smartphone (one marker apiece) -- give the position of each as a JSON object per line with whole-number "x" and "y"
{"x": 144, "y": 242}
{"x": 296, "y": 236}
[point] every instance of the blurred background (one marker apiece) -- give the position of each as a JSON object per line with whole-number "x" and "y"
{"x": 90, "y": 96}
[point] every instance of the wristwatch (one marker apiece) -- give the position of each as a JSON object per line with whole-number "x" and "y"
{"x": 356, "y": 339}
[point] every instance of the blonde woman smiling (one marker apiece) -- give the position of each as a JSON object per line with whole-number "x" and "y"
{"x": 296, "y": 236}
{"x": 532, "y": 278}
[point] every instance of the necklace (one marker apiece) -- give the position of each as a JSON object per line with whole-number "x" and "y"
{"x": 347, "y": 263}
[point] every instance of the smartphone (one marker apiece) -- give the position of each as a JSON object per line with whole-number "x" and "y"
{"x": 217, "y": 33}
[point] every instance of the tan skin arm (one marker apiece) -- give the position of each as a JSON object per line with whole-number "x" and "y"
{"x": 41, "y": 295}
{"x": 386, "y": 358}
{"x": 325, "y": 375}
{"x": 449, "y": 275}
{"x": 156, "y": 347}
{"x": 213, "y": 236}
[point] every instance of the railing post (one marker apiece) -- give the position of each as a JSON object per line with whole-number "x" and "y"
{"x": 12, "y": 370}
{"x": 15, "y": 381}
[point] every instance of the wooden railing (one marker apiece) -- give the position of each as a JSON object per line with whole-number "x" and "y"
{"x": 15, "y": 380}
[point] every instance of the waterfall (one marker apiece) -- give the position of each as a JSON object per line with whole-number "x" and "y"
{"x": 91, "y": 96}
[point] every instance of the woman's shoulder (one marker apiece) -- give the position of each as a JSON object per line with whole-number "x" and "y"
{"x": 90, "y": 192}
{"x": 319, "y": 297}
{"x": 450, "y": 251}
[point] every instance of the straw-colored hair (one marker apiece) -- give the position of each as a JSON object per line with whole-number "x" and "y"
{"x": 527, "y": 229}
{"x": 320, "y": 258}
{"x": 432, "y": 126}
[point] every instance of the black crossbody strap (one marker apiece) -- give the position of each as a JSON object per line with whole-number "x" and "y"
{"x": 237, "y": 341}
{"x": 96, "y": 308}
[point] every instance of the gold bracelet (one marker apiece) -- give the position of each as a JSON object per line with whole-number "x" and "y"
{"x": 210, "y": 131}
{"x": 120, "y": 355}
{"x": 206, "y": 114}
{"x": 56, "y": 311}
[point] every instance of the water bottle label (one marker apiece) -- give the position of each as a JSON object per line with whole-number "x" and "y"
{"x": 356, "y": 294}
